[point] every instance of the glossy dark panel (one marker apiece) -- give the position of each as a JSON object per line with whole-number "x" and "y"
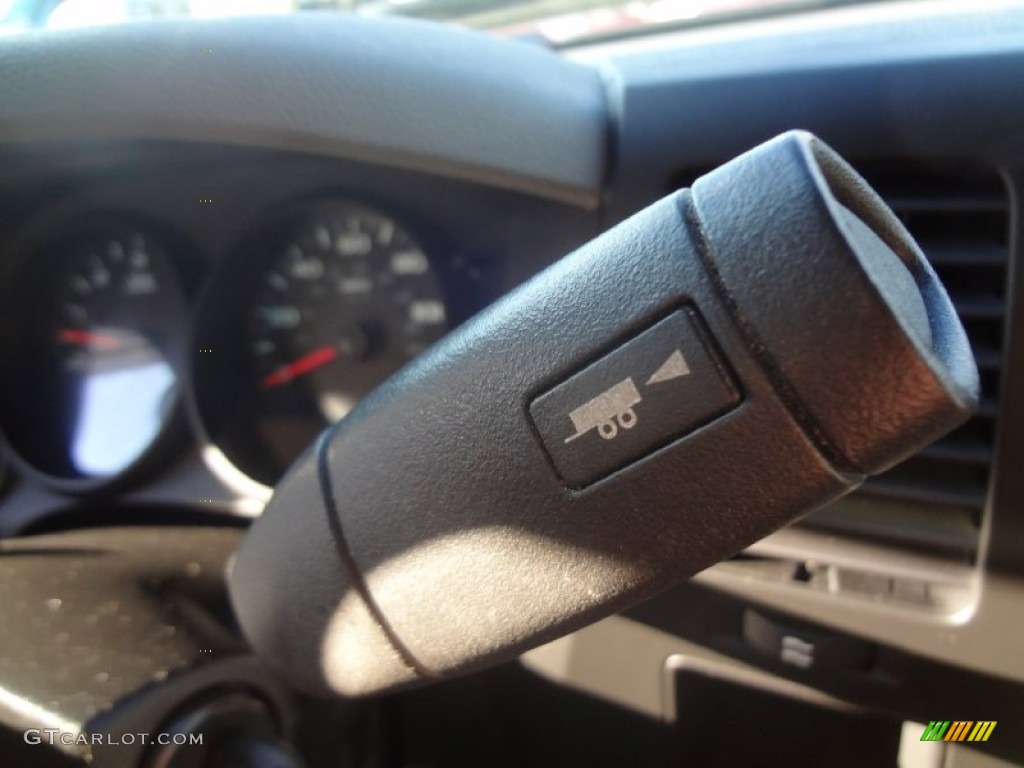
{"x": 93, "y": 380}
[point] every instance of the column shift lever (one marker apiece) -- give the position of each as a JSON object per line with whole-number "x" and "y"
{"x": 727, "y": 360}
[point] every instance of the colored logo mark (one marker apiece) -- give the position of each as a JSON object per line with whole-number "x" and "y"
{"x": 958, "y": 730}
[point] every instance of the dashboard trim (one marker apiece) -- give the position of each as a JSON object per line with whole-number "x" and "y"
{"x": 521, "y": 118}
{"x": 912, "y": 80}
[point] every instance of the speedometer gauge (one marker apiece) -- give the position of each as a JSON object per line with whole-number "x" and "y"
{"x": 350, "y": 298}
{"x": 90, "y": 383}
{"x": 342, "y": 297}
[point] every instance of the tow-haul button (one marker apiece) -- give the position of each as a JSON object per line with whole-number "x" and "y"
{"x": 655, "y": 388}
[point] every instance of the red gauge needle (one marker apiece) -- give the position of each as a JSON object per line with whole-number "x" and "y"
{"x": 308, "y": 362}
{"x": 88, "y": 338}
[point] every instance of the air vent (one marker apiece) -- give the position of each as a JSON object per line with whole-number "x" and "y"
{"x": 934, "y": 501}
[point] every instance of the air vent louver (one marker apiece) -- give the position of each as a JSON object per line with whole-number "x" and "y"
{"x": 933, "y": 502}
{"x": 960, "y": 216}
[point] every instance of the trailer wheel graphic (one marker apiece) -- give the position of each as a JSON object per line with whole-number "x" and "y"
{"x": 608, "y": 412}
{"x": 608, "y": 429}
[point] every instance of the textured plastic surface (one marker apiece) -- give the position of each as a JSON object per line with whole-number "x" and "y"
{"x": 427, "y": 534}
{"x": 810, "y": 281}
{"x": 906, "y": 82}
{"x": 397, "y": 92}
{"x": 109, "y": 631}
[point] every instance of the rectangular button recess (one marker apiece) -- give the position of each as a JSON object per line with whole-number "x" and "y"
{"x": 655, "y": 388}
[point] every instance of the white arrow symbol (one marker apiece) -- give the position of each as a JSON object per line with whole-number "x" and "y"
{"x": 672, "y": 368}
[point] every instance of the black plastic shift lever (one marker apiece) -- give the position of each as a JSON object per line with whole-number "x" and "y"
{"x": 725, "y": 361}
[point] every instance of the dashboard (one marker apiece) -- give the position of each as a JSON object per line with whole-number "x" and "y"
{"x": 217, "y": 236}
{"x": 184, "y": 313}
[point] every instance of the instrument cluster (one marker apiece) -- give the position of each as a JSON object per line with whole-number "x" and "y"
{"x": 118, "y": 345}
{"x": 325, "y": 302}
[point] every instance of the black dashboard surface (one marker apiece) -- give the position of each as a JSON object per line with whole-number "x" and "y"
{"x": 210, "y": 206}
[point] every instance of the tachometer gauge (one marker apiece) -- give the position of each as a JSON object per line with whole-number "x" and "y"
{"x": 92, "y": 382}
{"x": 342, "y": 298}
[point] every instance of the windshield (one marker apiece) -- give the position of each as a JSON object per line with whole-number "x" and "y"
{"x": 556, "y": 21}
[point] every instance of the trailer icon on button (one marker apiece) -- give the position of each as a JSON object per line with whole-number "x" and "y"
{"x": 611, "y": 406}
{"x": 654, "y": 388}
